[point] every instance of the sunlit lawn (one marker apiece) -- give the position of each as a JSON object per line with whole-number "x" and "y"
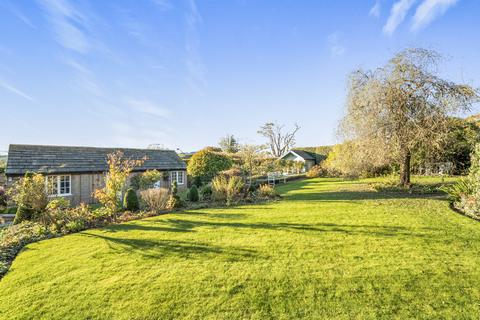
{"x": 329, "y": 249}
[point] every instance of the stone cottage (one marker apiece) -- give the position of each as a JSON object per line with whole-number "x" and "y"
{"x": 76, "y": 172}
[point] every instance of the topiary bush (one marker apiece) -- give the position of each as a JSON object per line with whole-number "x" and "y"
{"x": 3, "y": 197}
{"x": 130, "y": 201}
{"x": 174, "y": 201}
{"x": 207, "y": 163}
{"x": 206, "y": 192}
{"x": 193, "y": 194}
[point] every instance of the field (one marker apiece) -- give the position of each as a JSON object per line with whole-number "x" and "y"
{"x": 329, "y": 249}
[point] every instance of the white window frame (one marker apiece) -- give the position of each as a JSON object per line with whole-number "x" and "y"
{"x": 178, "y": 176}
{"x": 58, "y": 183}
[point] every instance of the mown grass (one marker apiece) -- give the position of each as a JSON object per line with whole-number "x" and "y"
{"x": 329, "y": 249}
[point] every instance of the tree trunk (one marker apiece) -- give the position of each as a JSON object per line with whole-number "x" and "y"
{"x": 405, "y": 170}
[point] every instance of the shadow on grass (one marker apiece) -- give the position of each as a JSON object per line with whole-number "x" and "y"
{"x": 158, "y": 248}
{"x": 232, "y": 216}
{"x": 139, "y": 227}
{"x": 349, "y": 229}
{"x": 349, "y": 195}
{"x": 336, "y": 196}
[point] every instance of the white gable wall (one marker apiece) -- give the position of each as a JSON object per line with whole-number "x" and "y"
{"x": 293, "y": 157}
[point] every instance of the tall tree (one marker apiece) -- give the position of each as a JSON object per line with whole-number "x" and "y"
{"x": 278, "y": 142}
{"x": 229, "y": 144}
{"x": 402, "y": 107}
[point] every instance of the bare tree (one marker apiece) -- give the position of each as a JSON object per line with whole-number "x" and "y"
{"x": 395, "y": 110}
{"x": 229, "y": 144}
{"x": 278, "y": 142}
{"x": 251, "y": 157}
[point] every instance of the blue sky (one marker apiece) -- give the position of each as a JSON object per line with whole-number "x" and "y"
{"x": 183, "y": 73}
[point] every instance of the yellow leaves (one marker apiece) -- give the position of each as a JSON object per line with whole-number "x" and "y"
{"x": 119, "y": 169}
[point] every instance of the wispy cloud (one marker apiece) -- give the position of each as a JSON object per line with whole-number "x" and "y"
{"x": 375, "y": 10}
{"x": 14, "y": 90}
{"x": 397, "y": 15}
{"x": 429, "y": 10}
{"x": 18, "y": 13}
{"x": 84, "y": 77}
{"x": 164, "y": 5}
{"x": 335, "y": 46}
{"x": 127, "y": 134}
{"x": 149, "y": 108}
{"x": 193, "y": 61}
{"x": 70, "y": 25}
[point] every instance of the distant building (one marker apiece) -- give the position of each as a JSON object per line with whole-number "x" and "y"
{"x": 76, "y": 172}
{"x": 308, "y": 158}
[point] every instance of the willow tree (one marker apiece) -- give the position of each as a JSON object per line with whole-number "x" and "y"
{"x": 405, "y": 105}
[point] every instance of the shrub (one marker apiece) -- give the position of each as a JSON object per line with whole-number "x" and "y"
{"x": 252, "y": 188}
{"x": 457, "y": 191}
{"x": 207, "y": 163}
{"x": 74, "y": 226}
{"x": 102, "y": 213}
{"x": 155, "y": 199}
{"x": 54, "y": 213}
{"x": 206, "y": 192}
{"x": 266, "y": 191}
{"x": 232, "y": 172}
{"x": 197, "y": 181}
{"x": 227, "y": 189}
{"x": 83, "y": 214}
{"x": 130, "y": 201}
{"x": 174, "y": 201}
{"x": 22, "y": 214}
{"x": 30, "y": 194}
{"x": 3, "y": 197}
{"x": 465, "y": 194}
{"x": 193, "y": 194}
{"x": 316, "y": 171}
{"x": 15, "y": 237}
{"x": 146, "y": 180}
{"x": 349, "y": 160}
{"x": 119, "y": 168}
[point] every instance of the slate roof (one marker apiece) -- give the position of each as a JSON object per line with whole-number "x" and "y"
{"x": 305, "y": 155}
{"x": 63, "y": 159}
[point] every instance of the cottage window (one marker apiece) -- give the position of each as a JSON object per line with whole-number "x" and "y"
{"x": 177, "y": 176}
{"x": 59, "y": 185}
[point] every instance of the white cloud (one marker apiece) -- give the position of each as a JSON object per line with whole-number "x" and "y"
{"x": 397, "y": 15}
{"x": 69, "y": 24}
{"x": 14, "y": 90}
{"x": 149, "y": 108}
{"x": 335, "y": 46}
{"x": 375, "y": 10}
{"x": 429, "y": 10}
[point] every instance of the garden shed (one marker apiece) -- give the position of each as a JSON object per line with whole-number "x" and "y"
{"x": 308, "y": 158}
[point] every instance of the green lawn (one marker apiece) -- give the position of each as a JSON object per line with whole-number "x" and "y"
{"x": 330, "y": 249}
